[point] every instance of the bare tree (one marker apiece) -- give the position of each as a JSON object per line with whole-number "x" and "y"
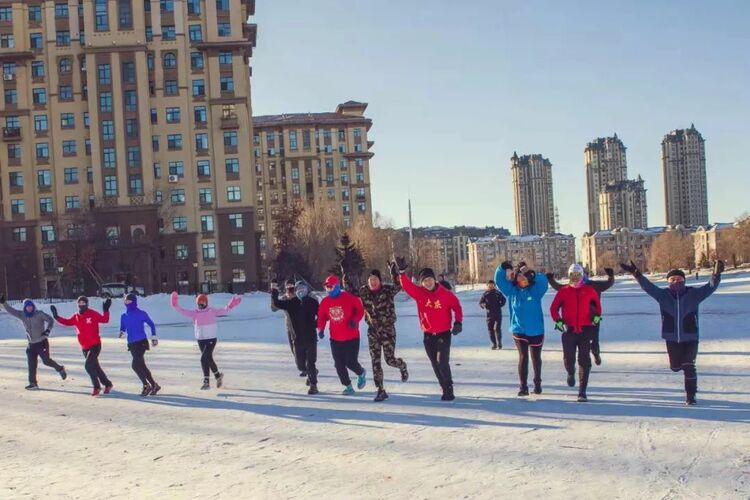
{"x": 671, "y": 250}
{"x": 318, "y": 229}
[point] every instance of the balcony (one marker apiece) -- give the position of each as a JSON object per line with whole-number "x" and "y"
{"x": 11, "y": 133}
{"x": 229, "y": 122}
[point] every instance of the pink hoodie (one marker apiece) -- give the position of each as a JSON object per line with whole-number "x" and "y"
{"x": 204, "y": 320}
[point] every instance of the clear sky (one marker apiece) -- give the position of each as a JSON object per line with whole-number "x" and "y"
{"x": 454, "y": 88}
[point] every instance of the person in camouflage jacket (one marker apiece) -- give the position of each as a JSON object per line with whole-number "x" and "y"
{"x": 380, "y": 314}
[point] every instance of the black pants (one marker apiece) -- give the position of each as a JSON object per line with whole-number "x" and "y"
{"x": 595, "y": 350}
{"x": 39, "y": 350}
{"x": 93, "y": 368}
{"x": 138, "y": 351}
{"x": 207, "y": 356}
{"x": 345, "y": 354}
{"x": 682, "y": 357}
{"x": 526, "y": 347}
{"x": 582, "y": 343}
{"x": 300, "y": 362}
{"x": 438, "y": 349}
{"x": 494, "y": 328}
{"x": 306, "y": 354}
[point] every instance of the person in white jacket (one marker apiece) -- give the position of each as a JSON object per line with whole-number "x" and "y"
{"x": 206, "y": 330}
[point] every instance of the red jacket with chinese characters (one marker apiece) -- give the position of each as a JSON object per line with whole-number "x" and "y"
{"x": 436, "y": 308}
{"x": 339, "y": 311}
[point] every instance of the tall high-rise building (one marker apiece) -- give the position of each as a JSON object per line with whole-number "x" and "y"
{"x": 623, "y": 204}
{"x": 532, "y": 194}
{"x": 126, "y": 127}
{"x": 312, "y": 158}
{"x": 605, "y": 162}
{"x": 683, "y": 159}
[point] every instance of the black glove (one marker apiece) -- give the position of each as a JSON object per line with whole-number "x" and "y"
{"x": 506, "y": 265}
{"x": 352, "y": 323}
{"x": 457, "y": 328}
{"x": 54, "y": 311}
{"x": 45, "y": 333}
{"x": 107, "y": 304}
{"x": 629, "y": 268}
{"x": 2, "y": 298}
{"x": 401, "y": 264}
{"x": 550, "y": 276}
{"x": 718, "y": 268}
{"x": 321, "y": 335}
{"x": 274, "y": 285}
{"x": 275, "y": 292}
{"x": 610, "y": 272}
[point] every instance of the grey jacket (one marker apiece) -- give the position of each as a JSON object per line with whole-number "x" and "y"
{"x": 35, "y": 325}
{"x": 679, "y": 313}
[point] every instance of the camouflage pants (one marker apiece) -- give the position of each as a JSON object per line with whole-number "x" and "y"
{"x": 383, "y": 340}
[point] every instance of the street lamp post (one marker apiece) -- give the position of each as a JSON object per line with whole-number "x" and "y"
{"x": 195, "y": 266}
{"x": 60, "y": 270}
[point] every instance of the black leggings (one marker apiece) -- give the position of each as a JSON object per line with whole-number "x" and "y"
{"x": 345, "y": 354}
{"x": 138, "y": 351}
{"x": 682, "y": 357}
{"x": 582, "y": 343}
{"x": 438, "y": 349}
{"x": 93, "y": 368}
{"x": 595, "y": 349}
{"x": 207, "y": 356}
{"x": 39, "y": 350}
{"x": 306, "y": 354}
{"x": 524, "y": 348}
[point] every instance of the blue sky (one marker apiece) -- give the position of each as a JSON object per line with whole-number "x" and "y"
{"x": 454, "y": 88}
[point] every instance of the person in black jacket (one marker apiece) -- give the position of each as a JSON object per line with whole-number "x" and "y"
{"x": 600, "y": 287}
{"x": 303, "y": 316}
{"x": 492, "y": 302}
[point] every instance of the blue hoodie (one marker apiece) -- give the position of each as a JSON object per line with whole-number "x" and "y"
{"x": 524, "y": 304}
{"x": 134, "y": 322}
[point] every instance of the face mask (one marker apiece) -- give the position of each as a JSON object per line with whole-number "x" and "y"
{"x": 82, "y": 309}
{"x": 202, "y": 306}
{"x": 335, "y": 291}
{"x": 301, "y": 293}
{"x": 676, "y": 286}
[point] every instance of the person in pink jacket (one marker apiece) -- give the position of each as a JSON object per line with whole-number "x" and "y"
{"x": 206, "y": 329}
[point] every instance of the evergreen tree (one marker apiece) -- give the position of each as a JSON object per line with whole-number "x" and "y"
{"x": 288, "y": 262}
{"x": 349, "y": 259}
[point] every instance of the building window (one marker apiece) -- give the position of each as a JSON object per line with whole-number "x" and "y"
{"x": 128, "y": 72}
{"x": 149, "y": 34}
{"x": 72, "y": 203}
{"x": 177, "y": 197}
{"x": 110, "y": 185}
{"x": 205, "y": 196}
{"x": 196, "y": 60}
{"x": 199, "y": 88}
{"x": 176, "y": 168}
{"x": 37, "y": 69}
{"x": 200, "y": 115}
{"x": 170, "y": 60}
{"x": 235, "y": 220}
{"x": 45, "y": 206}
{"x": 69, "y": 148}
{"x": 36, "y": 41}
{"x": 170, "y": 87}
{"x": 230, "y": 138}
{"x": 179, "y": 223}
{"x": 131, "y": 100}
{"x": 293, "y": 140}
{"x": 196, "y": 33}
{"x": 168, "y": 33}
{"x": 61, "y": 11}
{"x": 135, "y": 184}
{"x": 227, "y": 84}
{"x": 67, "y": 120}
{"x": 48, "y": 234}
{"x": 105, "y": 102}
{"x": 166, "y": 5}
{"x": 194, "y": 7}
{"x": 19, "y": 234}
{"x": 174, "y": 142}
{"x": 109, "y": 159}
{"x": 225, "y": 57}
{"x": 11, "y": 97}
{"x": 157, "y": 170}
{"x": 16, "y": 179}
{"x": 209, "y": 249}
{"x": 40, "y": 123}
{"x": 17, "y": 207}
{"x": 86, "y": 119}
{"x": 35, "y": 14}
{"x": 62, "y": 38}
{"x": 232, "y": 166}
{"x": 201, "y": 142}
{"x": 154, "y": 116}
{"x": 154, "y": 143}
{"x": 8, "y": 42}
{"x": 125, "y": 14}
{"x": 44, "y": 178}
{"x": 222, "y": 4}
{"x": 134, "y": 156}
{"x": 238, "y": 247}
{"x": 105, "y": 74}
{"x": 173, "y": 115}
{"x": 234, "y": 194}
{"x": 181, "y": 252}
{"x": 238, "y": 275}
{"x": 108, "y": 130}
{"x": 131, "y": 128}
{"x": 204, "y": 168}
{"x": 101, "y": 15}
{"x": 89, "y": 175}
{"x": 14, "y": 151}
{"x": 225, "y": 29}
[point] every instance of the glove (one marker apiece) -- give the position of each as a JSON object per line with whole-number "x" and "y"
{"x": 121, "y": 335}
{"x": 274, "y": 285}
{"x": 597, "y": 319}
{"x": 236, "y": 299}
{"x": 45, "y": 333}
{"x": 352, "y": 324}
{"x": 401, "y": 264}
{"x": 718, "y": 268}
{"x": 274, "y": 292}
{"x": 550, "y": 276}
{"x": 2, "y": 298}
{"x": 457, "y": 328}
{"x": 174, "y": 298}
{"x": 107, "y": 304}
{"x": 321, "y": 335}
{"x": 610, "y": 272}
{"x": 506, "y": 265}
{"x": 560, "y": 325}
{"x": 53, "y": 309}
{"x": 154, "y": 341}
{"x": 631, "y": 268}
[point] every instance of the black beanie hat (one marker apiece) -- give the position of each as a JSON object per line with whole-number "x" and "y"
{"x": 83, "y": 298}
{"x": 426, "y": 272}
{"x": 675, "y": 272}
{"x": 376, "y": 273}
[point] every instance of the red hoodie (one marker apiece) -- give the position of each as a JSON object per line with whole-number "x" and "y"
{"x": 87, "y": 326}
{"x": 576, "y": 306}
{"x": 434, "y": 307}
{"x": 339, "y": 311}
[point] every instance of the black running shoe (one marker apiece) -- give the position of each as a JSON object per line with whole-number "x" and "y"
{"x": 32, "y": 387}
{"x": 537, "y": 388}
{"x": 381, "y": 395}
{"x": 404, "y": 374}
{"x": 63, "y": 373}
{"x": 690, "y": 401}
{"x": 582, "y": 398}
{"x": 155, "y": 389}
{"x": 571, "y": 380}
{"x": 523, "y": 391}
{"x": 313, "y": 389}
{"x": 146, "y": 390}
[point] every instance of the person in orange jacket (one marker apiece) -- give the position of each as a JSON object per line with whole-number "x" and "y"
{"x": 581, "y": 311}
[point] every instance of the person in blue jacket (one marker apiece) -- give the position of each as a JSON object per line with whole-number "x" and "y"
{"x": 524, "y": 289}
{"x": 679, "y": 306}
{"x": 133, "y": 323}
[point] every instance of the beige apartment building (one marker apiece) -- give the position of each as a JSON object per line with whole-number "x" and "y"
{"x": 623, "y": 204}
{"x": 126, "y": 127}
{"x": 683, "y": 157}
{"x": 533, "y": 197}
{"x": 605, "y": 162}
{"x": 312, "y": 159}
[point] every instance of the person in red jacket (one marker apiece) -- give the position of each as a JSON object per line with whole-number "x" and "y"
{"x": 581, "y": 312}
{"x": 437, "y": 307}
{"x": 87, "y": 323}
{"x": 343, "y": 312}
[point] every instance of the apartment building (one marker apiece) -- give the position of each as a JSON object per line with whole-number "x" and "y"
{"x": 605, "y": 162}
{"x": 533, "y": 197}
{"x": 683, "y": 157}
{"x": 623, "y": 204}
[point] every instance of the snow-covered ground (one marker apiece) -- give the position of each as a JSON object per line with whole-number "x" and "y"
{"x": 262, "y": 436}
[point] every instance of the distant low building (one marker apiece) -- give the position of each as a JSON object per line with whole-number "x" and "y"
{"x": 708, "y": 242}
